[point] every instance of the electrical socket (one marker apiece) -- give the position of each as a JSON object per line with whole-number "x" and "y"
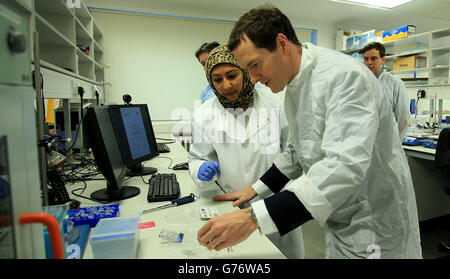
{"x": 421, "y": 93}
{"x": 75, "y": 88}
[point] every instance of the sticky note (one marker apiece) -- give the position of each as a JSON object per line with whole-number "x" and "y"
{"x": 147, "y": 225}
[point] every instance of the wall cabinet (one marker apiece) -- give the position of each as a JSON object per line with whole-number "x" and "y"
{"x": 70, "y": 45}
{"x": 434, "y": 45}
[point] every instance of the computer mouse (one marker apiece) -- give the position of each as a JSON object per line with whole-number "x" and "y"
{"x": 74, "y": 204}
{"x": 181, "y": 166}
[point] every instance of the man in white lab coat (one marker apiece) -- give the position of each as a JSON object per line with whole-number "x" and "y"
{"x": 238, "y": 135}
{"x": 374, "y": 58}
{"x": 202, "y": 54}
{"x": 347, "y": 166}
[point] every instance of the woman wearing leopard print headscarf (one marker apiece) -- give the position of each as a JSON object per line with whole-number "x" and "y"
{"x": 230, "y": 83}
{"x": 237, "y": 136}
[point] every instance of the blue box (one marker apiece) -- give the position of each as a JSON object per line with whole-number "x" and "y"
{"x": 398, "y": 33}
{"x": 91, "y": 215}
{"x": 115, "y": 238}
{"x": 367, "y": 37}
{"x": 353, "y": 42}
{"x": 75, "y": 248}
{"x": 59, "y": 212}
{"x": 429, "y": 143}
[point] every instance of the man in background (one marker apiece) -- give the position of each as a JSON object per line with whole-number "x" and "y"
{"x": 202, "y": 54}
{"x": 374, "y": 58}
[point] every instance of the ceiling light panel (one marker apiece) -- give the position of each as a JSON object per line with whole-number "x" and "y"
{"x": 376, "y": 3}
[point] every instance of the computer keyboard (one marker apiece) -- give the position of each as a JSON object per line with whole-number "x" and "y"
{"x": 162, "y": 148}
{"x": 163, "y": 187}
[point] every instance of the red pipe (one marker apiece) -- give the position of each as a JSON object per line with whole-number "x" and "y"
{"x": 53, "y": 230}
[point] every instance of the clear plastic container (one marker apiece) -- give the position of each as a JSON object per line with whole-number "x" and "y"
{"x": 186, "y": 223}
{"x": 185, "y": 217}
{"x": 188, "y": 248}
{"x": 191, "y": 249}
{"x": 115, "y": 238}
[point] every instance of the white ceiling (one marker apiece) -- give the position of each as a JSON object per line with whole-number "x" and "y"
{"x": 323, "y": 10}
{"x": 439, "y": 9}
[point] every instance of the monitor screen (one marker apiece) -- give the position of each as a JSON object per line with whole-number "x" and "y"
{"x": 134, "y": 132}
{"x": 106, "y": 150}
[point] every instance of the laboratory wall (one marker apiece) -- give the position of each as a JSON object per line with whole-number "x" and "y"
{"x": 152, "y": 58}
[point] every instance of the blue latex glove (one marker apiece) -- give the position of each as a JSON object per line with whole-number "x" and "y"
{"x": 207, "y": 171}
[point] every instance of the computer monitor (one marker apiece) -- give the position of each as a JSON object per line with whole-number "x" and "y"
{"x": 77, "y": 133}
{"x": 105, "y": 147}
{"x": 134, "y": 133}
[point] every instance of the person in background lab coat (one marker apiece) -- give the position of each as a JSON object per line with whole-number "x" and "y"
{"x": 237, "y": 135}
{"x": 374, "y": 57}
{"x": 202, "y": 54}
{"x": 347, "y": 167}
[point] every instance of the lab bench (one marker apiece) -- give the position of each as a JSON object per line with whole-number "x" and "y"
{"x": 184, "y": 218}
{"x": 432, "y": 201}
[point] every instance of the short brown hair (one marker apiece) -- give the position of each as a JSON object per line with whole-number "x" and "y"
{"x": 375, "y": 45}
{"x": 262, "y": 26}
{"x": 206, "y": 47}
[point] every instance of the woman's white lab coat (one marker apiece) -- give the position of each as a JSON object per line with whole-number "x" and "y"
{"x": 245, "y": 144}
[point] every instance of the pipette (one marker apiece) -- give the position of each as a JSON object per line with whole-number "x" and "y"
{"x": 177, "y": 202}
